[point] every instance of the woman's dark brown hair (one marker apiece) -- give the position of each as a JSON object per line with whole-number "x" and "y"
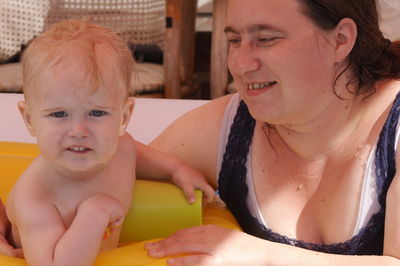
{"x": 373, "y": 57}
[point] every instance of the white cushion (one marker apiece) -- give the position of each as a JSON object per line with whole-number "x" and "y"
{"x": 150, "y": 117}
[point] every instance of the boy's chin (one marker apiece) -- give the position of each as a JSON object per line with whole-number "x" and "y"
{"x": 78, "y": 172}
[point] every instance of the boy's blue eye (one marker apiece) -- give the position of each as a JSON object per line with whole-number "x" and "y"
{"x": 59, "y": 114}
{"x": 97, "y": 113}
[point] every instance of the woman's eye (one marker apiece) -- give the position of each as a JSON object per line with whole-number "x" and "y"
{"x": 235, "y": 42}
{"x": 97, "y": 113}
{"x": 59, "y": 114}
{"x": 266, "y": 40}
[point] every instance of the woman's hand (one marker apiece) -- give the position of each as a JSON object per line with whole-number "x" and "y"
{"x": 210, "y": 245}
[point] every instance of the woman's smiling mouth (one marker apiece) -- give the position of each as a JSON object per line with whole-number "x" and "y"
{"x": 259, "y": 86}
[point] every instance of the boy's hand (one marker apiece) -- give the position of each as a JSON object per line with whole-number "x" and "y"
{"x": 8, "y": 250}
{"x": 5, "y": 247}
{"x": 189, "y": 179}
{"x": 104, "y": 209}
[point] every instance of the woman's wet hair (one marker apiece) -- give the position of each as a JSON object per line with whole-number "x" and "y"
{"x": 374, "y": 57}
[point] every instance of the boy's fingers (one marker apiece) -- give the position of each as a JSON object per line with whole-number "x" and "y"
{"x": 18, "y": 253}
{"x": 8, "y": 250}
{"x": 189, "y": 193}
{"x": 209, "y": 192}
{"x": 190, "y": 199}
{"x": 116, "y": 223}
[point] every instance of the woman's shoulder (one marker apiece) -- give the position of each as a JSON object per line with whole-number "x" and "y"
{"x": 390, "y": 86}
{"x": 194, "y": 136}
{"x": 213, "y": 109}
{"x": 384, "y": 94}
{"x": 205, "y": 118}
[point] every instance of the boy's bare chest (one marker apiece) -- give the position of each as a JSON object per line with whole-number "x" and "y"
{"x": 119, "y": 187}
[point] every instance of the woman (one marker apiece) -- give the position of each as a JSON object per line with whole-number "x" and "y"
{"x": 304, "y": 154}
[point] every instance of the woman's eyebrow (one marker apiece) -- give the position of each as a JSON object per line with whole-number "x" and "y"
{"x": 253, "y": 28}
{"x": 229, "y": 29}
{"x": 261, "y": 27}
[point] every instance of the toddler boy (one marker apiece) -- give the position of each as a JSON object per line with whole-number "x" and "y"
{"x": 71, "y": 201}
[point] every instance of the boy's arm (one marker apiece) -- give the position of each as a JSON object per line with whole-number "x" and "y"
{"x": 47, "y": 241}
{"x": 5, "y": 247}
{"x": 153, "y": 164}
{"x": 4, "y": 224}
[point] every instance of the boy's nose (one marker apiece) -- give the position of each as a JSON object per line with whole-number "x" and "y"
{"x": 78, "y": 130}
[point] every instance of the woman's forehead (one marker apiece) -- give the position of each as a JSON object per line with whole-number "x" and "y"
{"x": 268, "y": 14}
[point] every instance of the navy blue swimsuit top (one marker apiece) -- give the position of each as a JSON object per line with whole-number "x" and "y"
{"x": 234, "y": 191}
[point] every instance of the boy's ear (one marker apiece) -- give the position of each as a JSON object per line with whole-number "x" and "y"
{"x": 345, "y": 35}
{"x": 126, "y": 115}
{"x": 26, "y": 115}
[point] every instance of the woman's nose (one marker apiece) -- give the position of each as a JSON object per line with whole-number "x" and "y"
{"x": 78, "y": 129}
{"x": 244, "y": 59}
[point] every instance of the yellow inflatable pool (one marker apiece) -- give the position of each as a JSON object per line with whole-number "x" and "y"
{"x": 158, "y": 209}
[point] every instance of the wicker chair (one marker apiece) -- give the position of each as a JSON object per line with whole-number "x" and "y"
{"x": 158, "y": 26}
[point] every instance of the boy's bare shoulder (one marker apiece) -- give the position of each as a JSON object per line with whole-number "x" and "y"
{"x": 126, "y": 145}
{"x": 28, "y": 190}
{"x": 30, "y": 178}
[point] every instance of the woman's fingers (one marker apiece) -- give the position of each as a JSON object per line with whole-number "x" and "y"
{"x": 185, "y": 241}
{"x": 198, "y": 240}
{"x": 209, "y": 245}
{"x": 172, "y": 246}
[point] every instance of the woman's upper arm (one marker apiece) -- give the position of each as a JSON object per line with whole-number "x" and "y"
{"x": 392, "y": 218}
{"x": 194, "y": 137}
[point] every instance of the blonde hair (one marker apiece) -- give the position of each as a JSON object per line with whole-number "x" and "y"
{"x": 77, "y": 37}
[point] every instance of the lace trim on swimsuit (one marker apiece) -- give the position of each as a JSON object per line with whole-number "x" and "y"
{"x": 234, "y": 191}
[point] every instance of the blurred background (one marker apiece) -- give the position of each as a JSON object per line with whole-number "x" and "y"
{"x": 179, "y": 45}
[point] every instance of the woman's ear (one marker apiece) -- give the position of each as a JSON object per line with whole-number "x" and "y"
{"x": 126, "y": 115}
{"x": 345, "y": 35}
{"x": 26, "y": 115}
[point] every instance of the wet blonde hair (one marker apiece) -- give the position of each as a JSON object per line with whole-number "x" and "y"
{"x": 83, "y": 40}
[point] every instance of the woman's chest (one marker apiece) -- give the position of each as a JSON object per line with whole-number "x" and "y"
{"x": 317, "y": 202}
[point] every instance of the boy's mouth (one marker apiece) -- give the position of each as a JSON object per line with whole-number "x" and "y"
{"x": 79, "y": 149}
